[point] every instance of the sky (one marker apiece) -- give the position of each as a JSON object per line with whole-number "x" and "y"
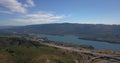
{"x": 28, "y": 12}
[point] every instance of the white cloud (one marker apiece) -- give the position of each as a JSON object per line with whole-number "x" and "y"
{"x": 30, "y": 3}
{"x": 13, "y": 6}
{"x": 39, "y": 18}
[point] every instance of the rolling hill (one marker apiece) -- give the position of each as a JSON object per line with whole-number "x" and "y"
{"x": 101, "y": 32}
{"x": 22, "y": 50}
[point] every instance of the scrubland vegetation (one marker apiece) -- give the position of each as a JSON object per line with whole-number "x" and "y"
{"x": 21, "y": 50}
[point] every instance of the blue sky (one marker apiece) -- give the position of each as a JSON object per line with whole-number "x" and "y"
{"x": 27, "y": 12}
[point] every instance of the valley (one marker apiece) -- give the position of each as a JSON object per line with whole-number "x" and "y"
{"x": 29, "y": 50}
{"x": 95, "y": 32}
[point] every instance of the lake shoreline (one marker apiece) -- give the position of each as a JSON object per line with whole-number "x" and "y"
{"x": 92, "y": 39}
{"x": 100, "y": 40}
{"x": 75, "y": 40}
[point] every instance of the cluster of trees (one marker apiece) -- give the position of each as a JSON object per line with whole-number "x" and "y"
{"x": 17, "y": 41}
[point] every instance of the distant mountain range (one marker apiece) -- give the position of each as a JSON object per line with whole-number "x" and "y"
{"x": 6, "y": 27}
{"x": 110, "y": 33}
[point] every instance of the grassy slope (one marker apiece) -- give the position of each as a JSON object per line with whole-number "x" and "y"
{"x": 19, "y": 50}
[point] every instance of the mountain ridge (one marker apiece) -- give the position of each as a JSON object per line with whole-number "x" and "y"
{"x": 110, "y": 33}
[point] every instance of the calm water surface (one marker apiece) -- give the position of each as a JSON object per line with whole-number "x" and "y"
{"x": 75, "y": 40}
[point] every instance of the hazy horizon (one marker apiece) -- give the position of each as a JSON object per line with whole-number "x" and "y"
{"x": 55, "y": 23}
{"x": 31, "y": 12}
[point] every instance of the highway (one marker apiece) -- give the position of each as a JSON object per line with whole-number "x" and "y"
{"x": 81, "y": 52}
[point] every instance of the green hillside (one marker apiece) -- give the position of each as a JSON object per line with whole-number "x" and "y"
{"x": 22, "y": 50}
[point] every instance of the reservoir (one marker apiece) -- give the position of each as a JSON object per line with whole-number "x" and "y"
{"x": 74, "y": 40}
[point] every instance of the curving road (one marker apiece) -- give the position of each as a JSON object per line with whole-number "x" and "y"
{"x": 81, "y": 52}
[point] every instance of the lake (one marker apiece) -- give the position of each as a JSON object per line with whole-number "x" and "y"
{"x": 72, "y": 39}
